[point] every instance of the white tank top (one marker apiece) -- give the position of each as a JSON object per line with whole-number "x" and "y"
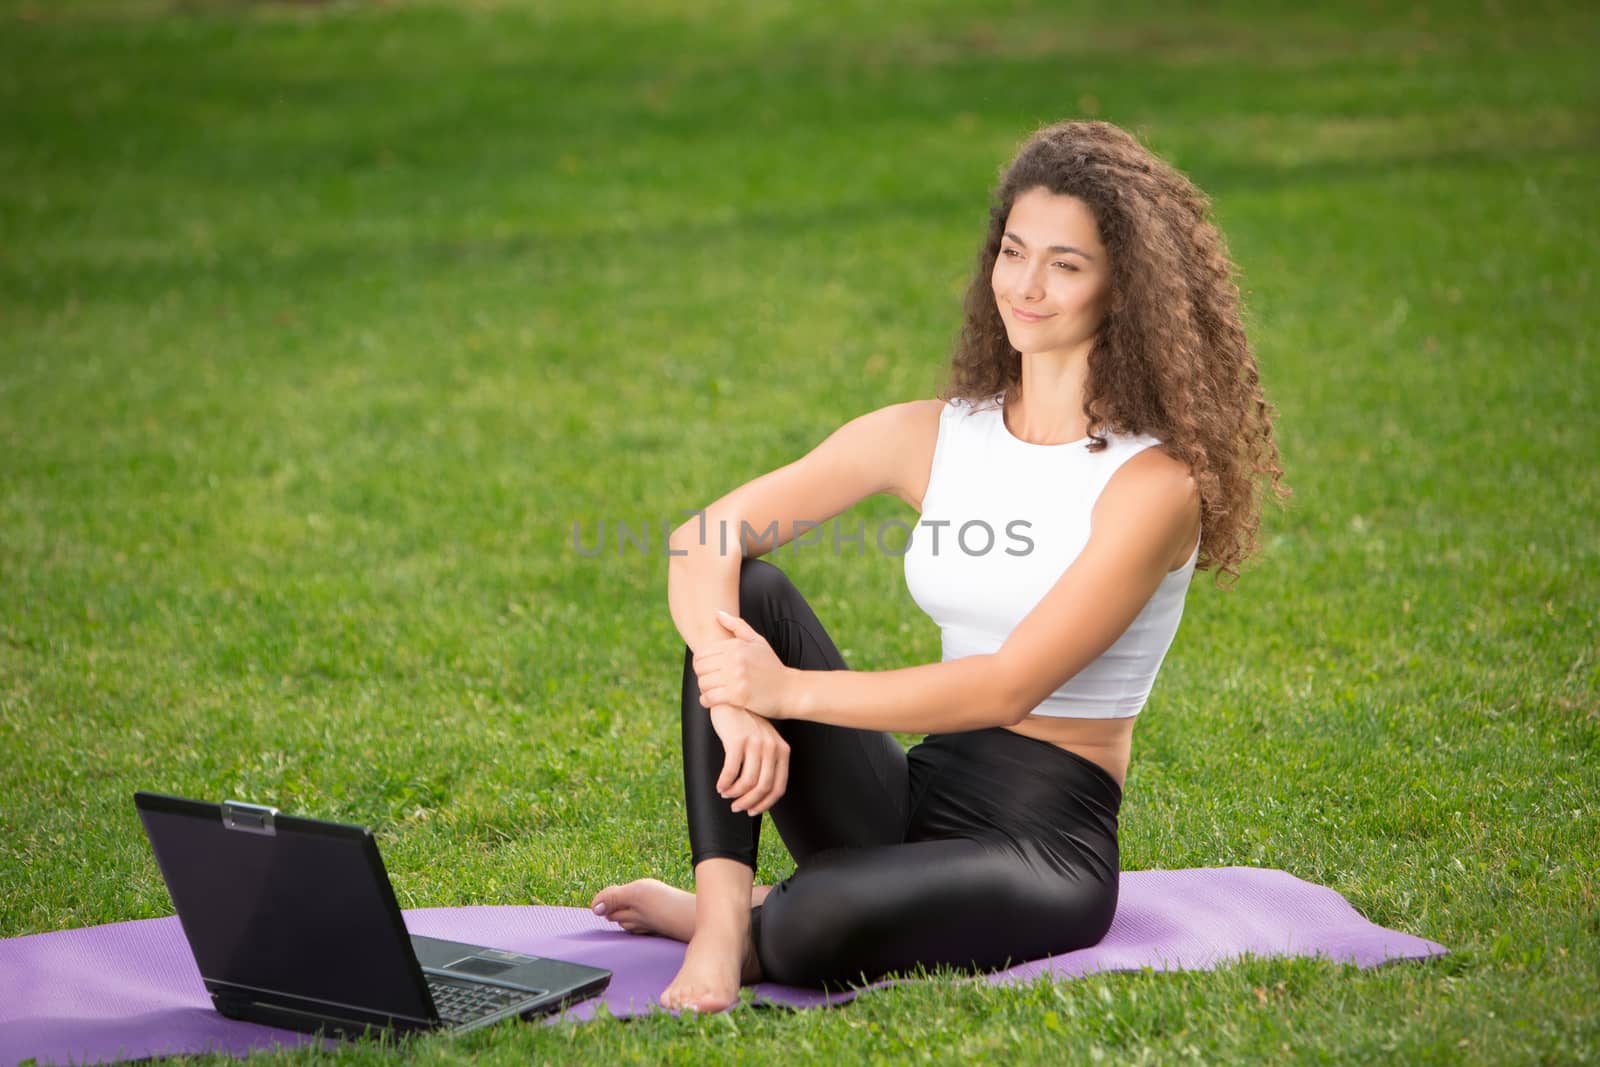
{"x": 1001, "y": 520}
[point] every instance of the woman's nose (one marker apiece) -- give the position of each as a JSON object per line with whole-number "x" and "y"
{"x": 1030, "y": 286}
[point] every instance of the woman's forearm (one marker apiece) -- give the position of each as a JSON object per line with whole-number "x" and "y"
{"x": 958, "y": 694}
{"x": 961, "y": 694}
{"x": 698, "y": 585}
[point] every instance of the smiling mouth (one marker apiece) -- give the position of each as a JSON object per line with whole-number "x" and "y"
{"x": 1026, "y": 316}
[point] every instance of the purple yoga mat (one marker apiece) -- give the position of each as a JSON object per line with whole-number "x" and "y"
{"x": 130, "y": 990}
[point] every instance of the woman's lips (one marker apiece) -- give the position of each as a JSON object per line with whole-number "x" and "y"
{"x": 1025, "y": 317}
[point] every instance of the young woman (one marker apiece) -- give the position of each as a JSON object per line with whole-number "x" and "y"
{"x": 1103, "y": 435}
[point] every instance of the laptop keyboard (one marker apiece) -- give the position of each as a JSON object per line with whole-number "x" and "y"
{"x": 461, "y": 1002}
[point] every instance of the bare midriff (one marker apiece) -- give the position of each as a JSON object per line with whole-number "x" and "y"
{"x": 1106, "y": 742}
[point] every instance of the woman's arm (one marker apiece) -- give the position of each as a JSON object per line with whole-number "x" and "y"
{"x": 932, "y": 698}
{"x": 1147, "y": 515}
{"x": 870, "y": 454}
{"x": 700, "y": 584}
{"x": 755, "y": 765}
{"x": 867, "y": 455}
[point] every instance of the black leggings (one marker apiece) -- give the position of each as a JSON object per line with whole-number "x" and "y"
{"x": 974, "y": 850}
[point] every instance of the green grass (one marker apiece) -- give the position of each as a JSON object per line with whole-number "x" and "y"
{"x": 321, "y": 326}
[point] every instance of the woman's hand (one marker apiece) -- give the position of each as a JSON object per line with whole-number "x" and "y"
{"x": 755, "y": 771}
{"x": 743, "y": 671}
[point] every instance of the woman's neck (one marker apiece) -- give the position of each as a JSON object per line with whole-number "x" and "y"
{"x": 1046, "y": 407}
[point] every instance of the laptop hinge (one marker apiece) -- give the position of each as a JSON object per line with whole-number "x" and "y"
{"x": 249, "y": 818}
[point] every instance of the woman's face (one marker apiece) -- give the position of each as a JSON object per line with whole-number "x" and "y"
{"x": 1052, "y": 279}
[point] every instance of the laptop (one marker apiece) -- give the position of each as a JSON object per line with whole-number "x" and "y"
{"x": 293, "y": 923}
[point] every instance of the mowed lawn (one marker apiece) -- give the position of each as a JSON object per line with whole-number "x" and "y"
{"x": 324, "y": 328}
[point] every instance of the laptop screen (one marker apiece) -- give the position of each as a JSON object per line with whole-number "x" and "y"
{"x": 306, "y": 911}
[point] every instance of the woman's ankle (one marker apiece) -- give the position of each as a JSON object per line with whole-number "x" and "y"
{"x": 722, "y": 880}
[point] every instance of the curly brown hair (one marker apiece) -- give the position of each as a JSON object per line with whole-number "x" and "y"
{"x": 1171, "y": 358}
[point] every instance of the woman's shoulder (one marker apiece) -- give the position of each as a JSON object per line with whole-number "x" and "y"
{"x": 1141, "y": 462}
{"x": 1148, "y": 473}
{"x": 920, "y": 412}
{"x": 904, "y": 436}
{"x": 917, "y": 422}
{"x": 894, "y": 426}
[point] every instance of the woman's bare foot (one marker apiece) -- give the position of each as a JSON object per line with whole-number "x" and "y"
{"x": 718, "y": 960}
{"x": 650, "y": 906}
{"x": 720, "y": 956}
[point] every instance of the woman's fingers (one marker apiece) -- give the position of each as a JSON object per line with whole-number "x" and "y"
{"x": 732, "y": 760}
{"x": 751, "y": 800}
{"x": 721, "y": 694}
{"x": 710, "y": 685}
{"x": 719, "y": 687}
{"x": 755, "y": 766}
{"x": 771, "y": 766}
{"x": 722, "y": 691}
{"x": 756, "y": 780}
{"x": 713, "y": 653}
{"x": 769, "y": 775}
{"x": 749, "y": 774}
{"x": 781, "y": 786}
{"x": 772, "y": 779}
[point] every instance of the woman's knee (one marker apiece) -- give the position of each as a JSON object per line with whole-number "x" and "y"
{"x": 764, "y": 597}
{"x": 779, "y": 612}
{"x": 760, "y": 577}
{"x": 765, "y": 593}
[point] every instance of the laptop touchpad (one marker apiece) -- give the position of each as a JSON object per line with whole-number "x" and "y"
{"x": 479, "y": 966}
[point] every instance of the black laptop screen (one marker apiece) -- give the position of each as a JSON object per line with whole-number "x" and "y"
{"x": 306, "y": 911}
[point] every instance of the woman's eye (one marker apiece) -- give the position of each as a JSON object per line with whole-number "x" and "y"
{"x": 1062, "y": 263}
{"x": 1009, "y": 252}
